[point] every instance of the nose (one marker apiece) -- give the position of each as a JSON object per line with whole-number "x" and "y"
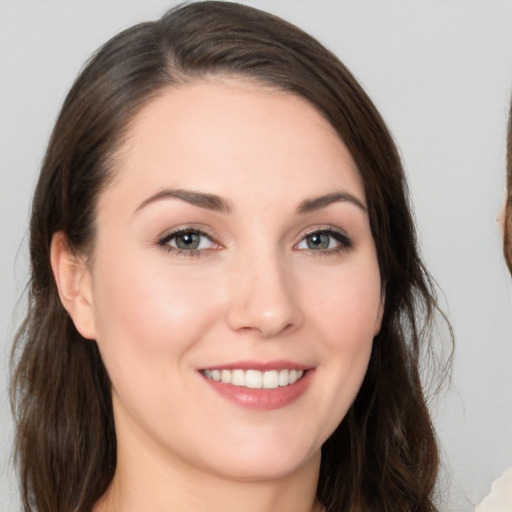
{"x": 264, "y": 299}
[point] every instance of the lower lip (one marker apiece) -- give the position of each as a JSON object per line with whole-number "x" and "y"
{"x": 263, "y": 399}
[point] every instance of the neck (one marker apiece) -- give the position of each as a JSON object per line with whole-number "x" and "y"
{"x": 146, "y": 478}
{"x": 135, "y": 491}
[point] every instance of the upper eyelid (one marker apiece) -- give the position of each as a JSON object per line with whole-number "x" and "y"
{"x": 324, "y": 229}
{"x": 171, "y": 233}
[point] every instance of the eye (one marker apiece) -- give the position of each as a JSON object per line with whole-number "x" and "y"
{"x": 325, "y": 240}
{"x": 187, "y": 240}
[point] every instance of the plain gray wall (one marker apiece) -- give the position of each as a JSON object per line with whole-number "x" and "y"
{"x": 440, "y": 73}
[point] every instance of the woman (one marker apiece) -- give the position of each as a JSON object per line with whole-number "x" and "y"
{"x": 227, "y": 305}
{"x": 507, "y": 216}
{"x": 500, "y": 497}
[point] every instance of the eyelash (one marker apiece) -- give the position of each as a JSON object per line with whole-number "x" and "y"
{"x": 344, "y": 242}
{"x": 186, "y": 253}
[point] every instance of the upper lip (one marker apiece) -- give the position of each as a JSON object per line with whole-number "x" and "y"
{"x": 259, "y": 365}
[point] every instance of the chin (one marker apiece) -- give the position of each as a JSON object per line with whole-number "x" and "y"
{"x": 266, "y": 468}
{"x": 264, "y": 457}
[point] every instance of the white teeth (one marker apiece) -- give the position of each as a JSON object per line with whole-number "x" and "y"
{"x": 238, "y": 378}
{"x": 271, "y": 379}
{"x": 284, "y": 376}
{"x": 255, "y": 379}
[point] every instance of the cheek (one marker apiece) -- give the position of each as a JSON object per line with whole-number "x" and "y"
{"x": 150, "y": 320}
{"x": 348, "y": 307}
{"x": 150, "y": 311}
{"x": 347, "y": 316}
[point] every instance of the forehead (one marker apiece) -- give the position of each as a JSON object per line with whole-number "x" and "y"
{"x": 229, "y": 135}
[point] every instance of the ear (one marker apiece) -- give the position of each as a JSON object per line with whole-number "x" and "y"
{"x": 73, "y": 281}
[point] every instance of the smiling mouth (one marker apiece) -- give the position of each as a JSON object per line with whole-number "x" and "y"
{"x": 255, "y": 379}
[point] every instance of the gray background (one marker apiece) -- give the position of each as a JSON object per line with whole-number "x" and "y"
{"x": 440, "y": 73}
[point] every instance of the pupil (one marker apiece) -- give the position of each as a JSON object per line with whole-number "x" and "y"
{"x": 318, "y": 241}
{"x": 187, "y": 241}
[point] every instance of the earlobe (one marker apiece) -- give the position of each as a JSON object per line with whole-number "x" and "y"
{"x": 74, "y": 285}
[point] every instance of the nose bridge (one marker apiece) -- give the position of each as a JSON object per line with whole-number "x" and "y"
{"x": 264, "y": 300}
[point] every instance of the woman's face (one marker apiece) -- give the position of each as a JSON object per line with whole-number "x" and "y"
{"x": 234, "y": 244}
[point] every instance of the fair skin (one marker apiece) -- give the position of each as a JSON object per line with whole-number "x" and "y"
{"x": 235, "y": 237}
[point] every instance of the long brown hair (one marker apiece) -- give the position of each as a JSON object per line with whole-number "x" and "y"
{"x": 383, "y": 456}
{"x": 507, "y": 220}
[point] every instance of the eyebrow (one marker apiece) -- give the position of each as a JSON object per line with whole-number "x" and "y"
{"x": 216, "y": 203}
{"x": 317, "y": 203}
{"x": 201, "y": 199}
